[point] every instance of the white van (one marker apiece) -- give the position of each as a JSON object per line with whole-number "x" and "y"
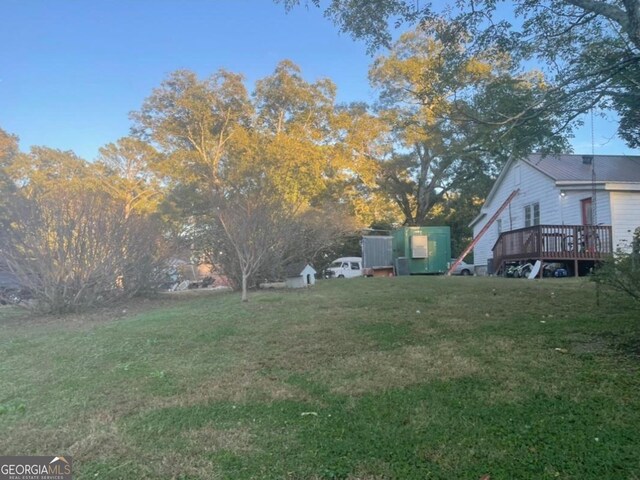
{"x": 345, "y": 267}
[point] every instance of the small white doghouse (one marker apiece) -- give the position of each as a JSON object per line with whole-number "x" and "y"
{"x": 300, "y": 275}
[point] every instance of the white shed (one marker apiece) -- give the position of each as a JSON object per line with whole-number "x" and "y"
{"x": 300, "y": 275}
{"x": 571, "y": 208}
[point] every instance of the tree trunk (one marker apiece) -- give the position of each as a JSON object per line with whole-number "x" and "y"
{"x": 244, "y": 287}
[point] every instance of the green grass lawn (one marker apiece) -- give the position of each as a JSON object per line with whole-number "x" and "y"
{"x": 407, "y": 378}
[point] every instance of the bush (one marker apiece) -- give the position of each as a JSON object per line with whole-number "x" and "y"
{"x": 622, "y": 271}
{"x": 74, "y": 249}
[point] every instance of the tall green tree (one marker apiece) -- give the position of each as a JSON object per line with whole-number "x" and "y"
{"x": 589, "y": 49}
{"x": 195, "y": 124}
{"x": 430, "y": 90}
{"x": 8, "y": 147}
{"x": 43, "y": 170}
{"x": 125, "y": 169}
{"x": 362, "y": 141}
{"x": 294, "y": 124}
{"x": 8, "y": 151}
{"x": 220, "y": 149}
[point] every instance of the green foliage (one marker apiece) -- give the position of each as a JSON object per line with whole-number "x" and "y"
{"x": 213, "y": 136}
{"x": 126, "y": 171}
{"x": 8, "y": 151}
{"x": 195, "y": 124}
{"x": 288, "y": 152}
{"x": 621, "y": 272}
{"x": 8, "y": 147}
{"x": 626, "y": 102}
{"x": 45, "y": 170}
{"x": 435, "y": 94}
{"x": 590, "y": 50}
{"x": 75, "y": 234}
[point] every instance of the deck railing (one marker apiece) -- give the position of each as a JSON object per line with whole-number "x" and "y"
{"x": 562, "y": 242}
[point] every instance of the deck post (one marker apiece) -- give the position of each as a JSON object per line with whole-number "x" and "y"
{"x": 575, "y": 267}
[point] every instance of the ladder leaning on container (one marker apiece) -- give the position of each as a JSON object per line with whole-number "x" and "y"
{"x": 483, "y": 231}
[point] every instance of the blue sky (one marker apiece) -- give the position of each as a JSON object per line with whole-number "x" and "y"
{"x": 72, "y": 70}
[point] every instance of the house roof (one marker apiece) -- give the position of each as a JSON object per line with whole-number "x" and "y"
{"x": 570, "y": 168}
{"x": 567, "y": 168}
{"x": 296, "y": 269}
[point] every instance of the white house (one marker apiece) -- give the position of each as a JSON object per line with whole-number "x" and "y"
{"x": 570, "y": 208}
{"x": 300, "y": 275}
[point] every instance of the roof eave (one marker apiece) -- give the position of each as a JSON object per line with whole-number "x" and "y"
{"x": 602, "y": 185}
{"x": 623, "y": 186}
{"x": 480, "y": 216}
{"x": 497, "y": 182}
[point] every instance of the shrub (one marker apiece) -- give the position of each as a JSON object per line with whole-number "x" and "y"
{"x": 74, "y": 249}
{"x": 622, "y": 271}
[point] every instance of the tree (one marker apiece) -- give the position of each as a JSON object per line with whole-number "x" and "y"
{"x": 257, "y": 226}
{"x": 362, "y": 141}
{"x": 626, "y": 104}
{"x": 194, "y": 124}
{"x": 590, "y": 49}
{"x": 219, "y": 148}
{"x": 320, "y": 233}
{"x": 66, "y": 238}
{"x": 125, "y": 169}
{"x": 8, "y": 147}
{"x": 8, "y": 151}
{"x": 293, "y": 127}
{"x": 425, "y": 84}
{"x": 45, "y": 169}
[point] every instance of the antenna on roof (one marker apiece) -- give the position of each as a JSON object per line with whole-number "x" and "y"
{"x": 594, "y": 204}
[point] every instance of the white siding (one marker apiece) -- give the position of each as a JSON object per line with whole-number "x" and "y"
{"x": 625, "y": 214}
{"x": 571, "y": 207}
{"x": 295, "y": 282}
{"x": 535, "y": 187}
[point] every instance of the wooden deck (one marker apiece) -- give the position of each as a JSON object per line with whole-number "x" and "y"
{"x": 553, "y": 243}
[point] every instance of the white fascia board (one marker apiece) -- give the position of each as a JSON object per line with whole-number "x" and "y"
{"x": 584, "y": 185}
{"x": 623, "y": 186}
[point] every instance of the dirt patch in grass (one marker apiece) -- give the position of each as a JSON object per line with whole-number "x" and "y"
{"x": 101, "y": 440}
{"x": 375, "y": 470}
{"x": 411, "y": 365}
{"x": 176, "y": 465}
{"x": 237, "y": 387}
{"x": 209, "y": 439}
{"x": 91, "y": 437}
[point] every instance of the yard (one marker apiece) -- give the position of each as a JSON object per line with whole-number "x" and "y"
{"x": 407, "y": 378}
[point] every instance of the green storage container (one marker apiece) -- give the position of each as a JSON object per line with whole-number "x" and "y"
{"x": 421, "y": 250}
